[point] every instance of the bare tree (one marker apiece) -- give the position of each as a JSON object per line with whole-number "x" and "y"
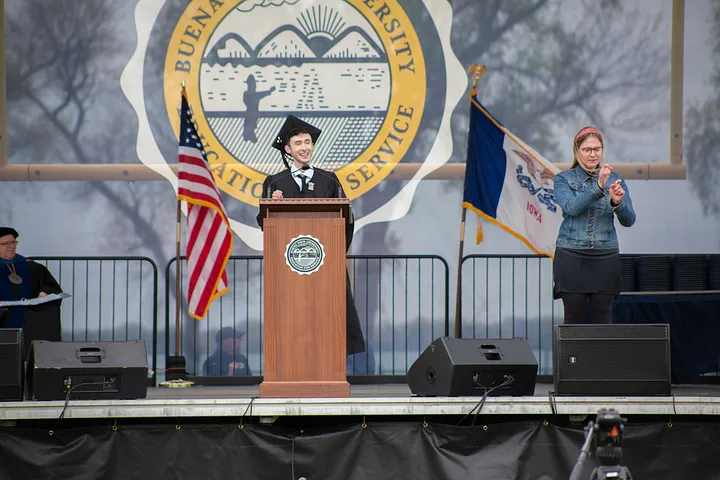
{"x": 59, "y": 100}
{"x": 545, "y": 68}
{"x": 552, "y": 64}
{"x": 63, "y": 64}
{"x": 702, "y": 136}
{"x": 65, "y": 104}
{"x": 542, "y": 68}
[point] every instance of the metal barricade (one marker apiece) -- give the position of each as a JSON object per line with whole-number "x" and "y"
{"x": 402, "y": 302}
{"x": 112, "y": 299}
{"x": 506, "y": 296}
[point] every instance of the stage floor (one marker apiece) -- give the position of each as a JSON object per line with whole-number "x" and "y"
{"x": 370, "y": 400}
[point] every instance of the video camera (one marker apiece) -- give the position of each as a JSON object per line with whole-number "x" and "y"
{"x": 609, "y": 426}
{"x": 606, "y": 432}
{"x": 608, "y": 429}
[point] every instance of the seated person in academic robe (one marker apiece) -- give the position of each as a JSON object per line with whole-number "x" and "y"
{"x": 227, "y": 360}
{"x": 21, "y": 278}
{"x": 296, "y": 141}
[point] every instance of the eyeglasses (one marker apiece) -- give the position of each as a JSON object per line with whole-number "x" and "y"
{"x": 9, "y": 244}
{"x": 588, "y": 151}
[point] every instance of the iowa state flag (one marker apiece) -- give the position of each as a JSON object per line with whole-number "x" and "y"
{"x": 510, "y": 184}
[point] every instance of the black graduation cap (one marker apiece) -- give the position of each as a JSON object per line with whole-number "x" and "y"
{"x": 8, "y": 231}
{"x": 226, "y": 333}
{"x": 293, "y": 123}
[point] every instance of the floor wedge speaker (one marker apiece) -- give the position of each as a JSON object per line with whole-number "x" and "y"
{"x": 622, "y": 359}
{"x": 11, "y": 364}
{"x": 93, "y": 370}
{"x": 455, "y": 367}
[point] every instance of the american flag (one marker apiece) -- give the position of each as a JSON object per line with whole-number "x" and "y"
{"x": 209, "y": 237}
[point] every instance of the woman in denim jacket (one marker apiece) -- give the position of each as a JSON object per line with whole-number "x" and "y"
{"x": 586, "y": 267}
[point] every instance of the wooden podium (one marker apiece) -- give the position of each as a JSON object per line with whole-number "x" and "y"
{"x": 304, "y": 307}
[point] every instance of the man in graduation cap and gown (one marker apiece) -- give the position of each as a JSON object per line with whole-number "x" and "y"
{"x": 21, "y": 278}
{"x": 296, "y": 140}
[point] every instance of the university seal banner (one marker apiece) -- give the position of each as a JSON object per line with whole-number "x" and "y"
{"x": 377, "y": 77}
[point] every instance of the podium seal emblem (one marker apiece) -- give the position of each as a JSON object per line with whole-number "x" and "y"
{"x": 304, "y": 254}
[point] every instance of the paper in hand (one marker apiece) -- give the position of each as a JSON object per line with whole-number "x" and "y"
{"x": 34, "y": 301}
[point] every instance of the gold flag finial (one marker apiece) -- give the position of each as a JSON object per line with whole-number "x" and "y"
{"x": 477, "y": 70}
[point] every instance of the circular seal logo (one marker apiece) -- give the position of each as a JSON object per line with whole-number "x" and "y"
{"x": 378, "y": 77}
{"x": 357, "y": 75}
{"x": 304, "y": 254}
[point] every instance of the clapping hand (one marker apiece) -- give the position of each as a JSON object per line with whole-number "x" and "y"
{"x": 604, "y": 175}
{"x": 616, "y": 192}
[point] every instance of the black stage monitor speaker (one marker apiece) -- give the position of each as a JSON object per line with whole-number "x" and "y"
{"x": 621, "y": 359}
{"x": 93, "y": 370}
{"x": 456, "y": 367}
{"x": 11, "y": 364}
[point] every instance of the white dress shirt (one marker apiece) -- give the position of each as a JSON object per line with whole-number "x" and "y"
{"x": 308, "y": 174}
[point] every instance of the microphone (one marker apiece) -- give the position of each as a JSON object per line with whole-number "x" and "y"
{"x": 331, "y": 177}
{"x": 289, "y": 172}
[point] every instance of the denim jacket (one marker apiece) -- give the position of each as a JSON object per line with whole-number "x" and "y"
{"x": 588, "y": 217}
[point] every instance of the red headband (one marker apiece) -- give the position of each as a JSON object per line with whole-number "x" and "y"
{"x": 586, "y": 131}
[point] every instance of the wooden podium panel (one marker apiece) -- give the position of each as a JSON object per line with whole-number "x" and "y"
{"x": 304, "y": 313}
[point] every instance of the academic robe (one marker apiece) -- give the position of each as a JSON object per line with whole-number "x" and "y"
{"x": 39, "y": 322}
{"x": 324, "y": 185}
{"x": 218, "y": 364}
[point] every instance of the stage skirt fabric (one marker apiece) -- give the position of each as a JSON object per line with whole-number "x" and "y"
{"x": 586, "y": 271}
{"x": 527, "y": 449}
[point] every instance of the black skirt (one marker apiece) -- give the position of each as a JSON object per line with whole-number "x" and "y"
{"x": 588, "y": 270}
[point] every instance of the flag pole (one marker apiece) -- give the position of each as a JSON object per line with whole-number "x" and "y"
{"x": 177, "y": 277}
{"x": 477, "y": 70}
{"x": 458, "y": 299}
{"x": 178, "y": 250}
{"x": 175, "y": 367}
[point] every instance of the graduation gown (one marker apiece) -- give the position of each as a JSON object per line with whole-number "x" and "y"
{"x": 218, "y": 364}
{"x": 325, "y": 185}
{"x": 39, "y": 322}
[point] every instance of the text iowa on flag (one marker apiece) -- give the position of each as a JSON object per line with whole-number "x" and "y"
{"x": 510, "y": 184}
{"x": 209, "y": 236}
